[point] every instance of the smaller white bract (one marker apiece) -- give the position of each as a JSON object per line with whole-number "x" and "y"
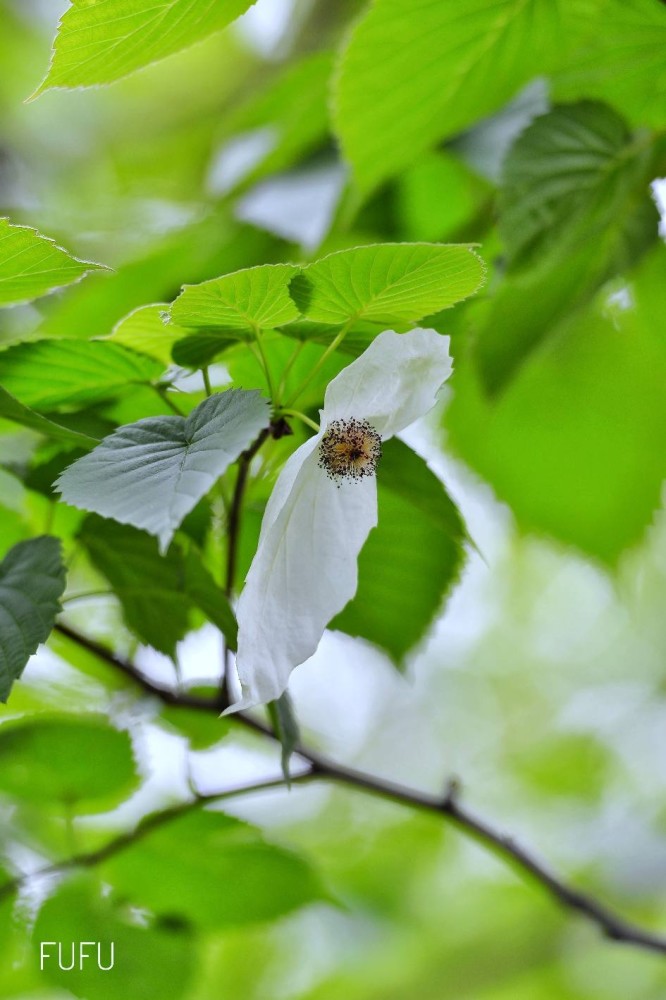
{"x": 324, "y": 505}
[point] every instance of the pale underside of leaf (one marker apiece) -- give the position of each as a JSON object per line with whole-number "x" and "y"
{"x": 152, "y": 473}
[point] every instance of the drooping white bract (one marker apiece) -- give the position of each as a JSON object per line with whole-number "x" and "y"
{"x": 322, "y": 510}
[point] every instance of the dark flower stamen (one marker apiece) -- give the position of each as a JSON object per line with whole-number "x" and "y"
{"x": 350, "y": 449}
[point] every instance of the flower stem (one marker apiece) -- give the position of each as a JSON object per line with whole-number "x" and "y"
{"x": 264, "y": 364}
{"x": 332, "y": 347}
{"x": 299, "y": 416}
{"x": 290, "y": 364}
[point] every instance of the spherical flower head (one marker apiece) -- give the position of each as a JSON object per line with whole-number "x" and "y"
{"x": 324, "y": 505}
{"x": 349, "y": 449}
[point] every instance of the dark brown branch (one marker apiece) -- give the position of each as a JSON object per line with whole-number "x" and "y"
{"x": 503, "y": 846}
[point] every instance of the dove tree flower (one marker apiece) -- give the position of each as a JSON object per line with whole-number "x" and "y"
{"x": 324, "y": 505}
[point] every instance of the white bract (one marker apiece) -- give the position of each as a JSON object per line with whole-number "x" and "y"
{"x": 324, "y": 505}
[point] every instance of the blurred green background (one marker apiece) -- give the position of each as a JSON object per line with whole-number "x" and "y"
{"x": 541, "y": 686}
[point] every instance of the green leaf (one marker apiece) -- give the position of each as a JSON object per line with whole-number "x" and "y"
{"x": 158, "y": 960}
{"x": 413, "y": 74}
{"x": 45, "y": 374}
{"x": 32, "y": 580}
{"x": 577, "y": 168}
{"x": 622, "y": 62}
{"x": 153, "y": 472}
{"x": 68, "y": 759}
{"x": 575, "y": 210}
{"x": 99, "y": 41}
{"x": 285, "y": 726}
{"x": 149, "y": 586}
{"x": 387, "y": 282}
{"x": 200, "y": 349}
{"x": 229, "y": 876}
{"x": 156, "y": 592}
{"x": 286, "y": 118}
{"x": 438, "y": 195}
{"x": 32, "y": 265}
{"x": 410, "y": 561}
{"x": 11, "y": 409}
{"x": 203, "y": 729}
{"x": 144, "y": 330}
{"x": 242, "y": 301}
{"x": 574, "y": 445}
{"x": 209, "y": 598}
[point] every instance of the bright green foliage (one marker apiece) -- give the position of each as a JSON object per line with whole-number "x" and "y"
{"x": 159, "y": 960}
{"x": 185, "y": 456}
{"x": 32, "y": 265}
{"x": 622, "y": 62}
{"x": 157, "y": 592}
{"x": 11, "y": 409}
{"x": 78, "y": 372}
{"x": 83, "y": 761}
{"x": 99, "y": 41}
{"x": 437, "y": 196}
{"x": 410, "y": 561}
{"x": 255, "y": 297}
{"x": 452, "y": 67}
{"x": 397, "y": 283}
{"x": 32, "y": 580}
{"x": 146, "y": 330}
{"x": 290, "y": 116}
{"x": 230, "y": 855}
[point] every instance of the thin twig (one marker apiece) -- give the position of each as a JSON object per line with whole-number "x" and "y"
{"x": 88, "y": 859}
{"x": 448, "y": 805}
{"x": 233, "y": 535}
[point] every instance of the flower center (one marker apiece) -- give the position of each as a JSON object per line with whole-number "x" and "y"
{"x": 350, "y": 449}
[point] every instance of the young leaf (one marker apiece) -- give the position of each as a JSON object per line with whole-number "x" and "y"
{"x": 285, "y": 726}
{"x": 416, "y": 73}
{"x": 153, "y": 472}
{"x": 387, "y": 283}
{"x": 254, "y": 297}
{"x": 32, "y": 580}
{"x": 32, "y": 265}
{"x": 103, "y": 40}
{"x": 46, "y": 374}
{"x": 11, "y": 409}
{"x": 72, "y": 759}
{"x": 410, "y": 561}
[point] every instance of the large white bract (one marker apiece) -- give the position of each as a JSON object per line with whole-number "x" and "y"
{"x": 315, "y": 523}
